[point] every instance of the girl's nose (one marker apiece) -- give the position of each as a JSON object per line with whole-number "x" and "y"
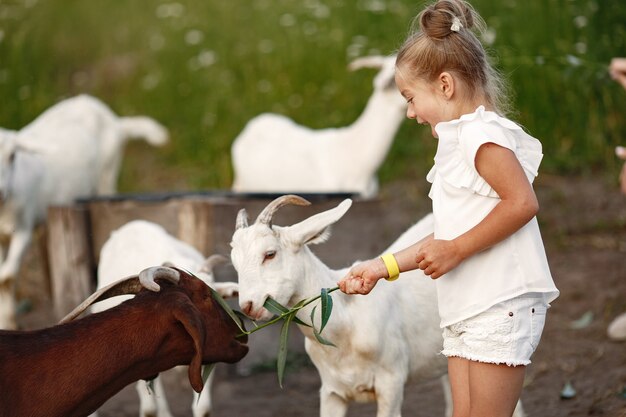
{"x": 410, "y": 113}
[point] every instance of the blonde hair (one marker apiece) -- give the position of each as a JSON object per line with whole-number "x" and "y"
{"x": 443, "y": 39}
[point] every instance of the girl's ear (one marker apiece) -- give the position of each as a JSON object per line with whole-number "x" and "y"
{"x": 446, "y": 84}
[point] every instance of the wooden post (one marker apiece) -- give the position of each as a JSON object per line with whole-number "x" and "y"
{"x": 71, "y": 267}
{"x": 195, "y": 224}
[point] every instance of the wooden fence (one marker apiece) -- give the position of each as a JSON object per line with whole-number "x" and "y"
{"x": 76, "y": 233}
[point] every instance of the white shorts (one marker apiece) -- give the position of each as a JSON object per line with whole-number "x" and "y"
{"x": 507, "y": 333}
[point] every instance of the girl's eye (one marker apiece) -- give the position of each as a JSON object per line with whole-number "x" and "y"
{"x": 410, "y": 100}
{"x": 271, "y": 254}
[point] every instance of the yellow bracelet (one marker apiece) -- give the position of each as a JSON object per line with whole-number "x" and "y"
{"x": 392, "y": 266}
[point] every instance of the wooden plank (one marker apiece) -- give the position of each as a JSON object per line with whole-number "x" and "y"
{"x": 71, "y": 265}
{"x": 196, "y": 224}
{"x": 107, "y": 216}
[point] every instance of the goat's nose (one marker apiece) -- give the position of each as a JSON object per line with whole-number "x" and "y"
{"x": 247, "y": 308}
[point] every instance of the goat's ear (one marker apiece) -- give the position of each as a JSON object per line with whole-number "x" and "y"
{"x": 189, "y": 316}
{"x": 316, "y": 229}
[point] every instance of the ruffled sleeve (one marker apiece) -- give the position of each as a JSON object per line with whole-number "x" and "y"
{"x": 460, "y": 139}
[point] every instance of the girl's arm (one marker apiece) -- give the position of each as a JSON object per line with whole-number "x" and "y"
{"x": 363, "y": 276}
{"x": 518, "y": 205}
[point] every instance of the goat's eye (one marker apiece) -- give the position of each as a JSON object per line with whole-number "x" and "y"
{"x": 270, "y": 254}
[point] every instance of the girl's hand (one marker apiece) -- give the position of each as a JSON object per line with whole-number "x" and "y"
{"x": 362, "y": 277}
{"x": 436, "y": 257}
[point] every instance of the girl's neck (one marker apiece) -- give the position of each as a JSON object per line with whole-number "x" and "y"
{"x": 470, "y": 106}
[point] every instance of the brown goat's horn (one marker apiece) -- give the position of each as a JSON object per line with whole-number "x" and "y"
{"x": 211, "y": 262}
{"x": 268, "y": 212}
{"x": 130, "y": 285}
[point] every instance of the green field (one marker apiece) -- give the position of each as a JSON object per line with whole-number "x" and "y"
{"x": 204, "y": 68}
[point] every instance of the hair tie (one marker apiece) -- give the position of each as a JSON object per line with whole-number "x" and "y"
{"x": 456, "y": 24}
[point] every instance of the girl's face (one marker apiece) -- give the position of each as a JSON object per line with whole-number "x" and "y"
{"x": 426, "y": 102}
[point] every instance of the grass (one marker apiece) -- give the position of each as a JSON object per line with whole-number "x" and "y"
{"x": 204, "y": 68}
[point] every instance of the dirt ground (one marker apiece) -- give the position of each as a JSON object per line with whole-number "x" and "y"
{"x": 583, "y": 222}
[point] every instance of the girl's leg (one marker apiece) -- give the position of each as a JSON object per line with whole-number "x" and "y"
{"x": 494, "y": 389}
{"x": 458, "y": 373}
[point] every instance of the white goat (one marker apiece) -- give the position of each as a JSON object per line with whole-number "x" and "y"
{"x": 71, "y": 150}
{"x": 342, "y": 159}
{"x": 134, "y": 247}
{"x": 382, "y": 340}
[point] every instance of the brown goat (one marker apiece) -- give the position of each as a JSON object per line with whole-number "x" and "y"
{"x": 71, "y": 369}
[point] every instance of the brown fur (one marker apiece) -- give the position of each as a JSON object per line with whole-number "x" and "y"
{"x": 72, "y": 369}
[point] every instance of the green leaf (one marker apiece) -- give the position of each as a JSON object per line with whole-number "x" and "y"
{"x": 327, "y": 307}
{"x": 277, "y": 308}
{"x": 206, "y": 372}
{"x": 321, "y": 340}
{"x": 274, "y": 306}
{"x": 295, "y": 309}
{"x": 282, "y": 350}
{"x": 298, "y": 321}
{"x": 313, "y": 317}
{"x": 317, "y": 335}
{"x": 229, "y": 310}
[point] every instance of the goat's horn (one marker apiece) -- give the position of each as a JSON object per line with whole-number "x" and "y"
{"x": 148, "y": 275}
{"x": 129, "y": 285}
{"x": 212, "y": 261}
{"x": 242, "y": 219}
{"x": 268, "y": 212}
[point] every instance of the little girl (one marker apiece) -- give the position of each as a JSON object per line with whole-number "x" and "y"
{"x": 486, "y": 254}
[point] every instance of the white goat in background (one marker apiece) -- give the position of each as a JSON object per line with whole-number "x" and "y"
{"x": 72, "y": 150}
{"x": 138, "y": 245}
{"x": 382, "y": 340}
{"x": 274, "y": 154}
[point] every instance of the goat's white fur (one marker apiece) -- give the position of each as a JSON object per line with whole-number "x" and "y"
{"x": 71, "y": 150}
{"x": 133, "y": 247}
{"x": 382, "y": 340}
{"x": 274, "y": 154}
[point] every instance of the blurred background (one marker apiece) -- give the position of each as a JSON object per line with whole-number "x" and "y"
{"x": 204, "y": 68}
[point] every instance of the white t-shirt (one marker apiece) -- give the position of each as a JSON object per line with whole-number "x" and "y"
{"x": 462, "y": 198}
